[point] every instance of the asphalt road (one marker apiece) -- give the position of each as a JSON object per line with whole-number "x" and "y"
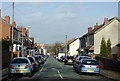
{"x": 53, "y": 69}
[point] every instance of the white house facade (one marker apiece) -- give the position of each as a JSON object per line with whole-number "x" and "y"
{"x": 73, "y": 47}
{"x": 109, "y": 30}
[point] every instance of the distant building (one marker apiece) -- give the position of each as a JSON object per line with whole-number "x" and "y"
{"x": 42, "y": 49}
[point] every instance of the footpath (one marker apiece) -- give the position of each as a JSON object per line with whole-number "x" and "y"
{"x": 110, "y": 74}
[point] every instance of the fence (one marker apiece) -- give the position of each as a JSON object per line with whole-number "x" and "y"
{"x": 107, "y": 63}
{"x": 6, "y": 59}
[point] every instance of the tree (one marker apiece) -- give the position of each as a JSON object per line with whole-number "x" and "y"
{"x": 109, "y": 49}
{"x": 103, "y": 48}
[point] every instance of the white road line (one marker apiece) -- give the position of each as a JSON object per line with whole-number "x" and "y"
{"x": 59, "y": 74}
{"x": 41, "y": 69}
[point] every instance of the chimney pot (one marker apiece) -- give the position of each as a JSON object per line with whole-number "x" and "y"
{"x": 96, "y": 26}
{"x": 89, "y": 29}
{"x": 105, "y": 20}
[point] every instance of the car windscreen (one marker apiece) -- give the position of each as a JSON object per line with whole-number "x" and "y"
{"x": 90, "y": 62}
{"x": 19, "y": 61}
{"x": 31, "y": 59}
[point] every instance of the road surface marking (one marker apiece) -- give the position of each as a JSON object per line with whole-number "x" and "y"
{"x": 41, "y": 69}
{"x": 59, "y": 74}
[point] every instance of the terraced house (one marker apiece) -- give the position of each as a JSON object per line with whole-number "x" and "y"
{"x": 90, "y": 42}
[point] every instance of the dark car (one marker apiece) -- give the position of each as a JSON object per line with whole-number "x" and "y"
{"x": 69, "y": 60}
{"x": 62, "y": 58}
{"x": 38, "y": 60}
{"x": 41, "y": 59}
{"x": 34, "y": 63}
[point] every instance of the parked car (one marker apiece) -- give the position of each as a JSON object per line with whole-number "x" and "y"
{"x": 69, "y": 60}
{"x": 38, "y": 60}
{"x": 62, "y": 58}
{"x": 59, "y": 55}
{"x": 78, "y": 60}
{"x": 88, "y": 66}
{"x": 34, "y": 63}
{"x": 20, "y": 65}
{"x": 41, "y": 59}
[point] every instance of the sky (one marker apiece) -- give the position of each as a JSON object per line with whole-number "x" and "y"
{"x": 51, "y": 21}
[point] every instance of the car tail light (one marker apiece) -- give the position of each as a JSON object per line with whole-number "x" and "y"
{"x": 12, "y": 67}
{"x": 82, "y": 65}
{"x": 33, "y": 63}
{"x": 73, "y": 59}
{"x": 26, "y": 66}
{"x": 97, "y": 66}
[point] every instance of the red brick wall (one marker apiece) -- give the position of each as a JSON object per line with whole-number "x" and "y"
{"x": 6, "y": 30}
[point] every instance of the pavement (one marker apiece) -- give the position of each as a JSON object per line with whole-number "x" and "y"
{"x": 105, "y": 73}
{"x": 110, "y": 74}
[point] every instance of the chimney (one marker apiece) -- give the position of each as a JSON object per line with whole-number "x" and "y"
{"x": 96, "y": 26}
{"x": 24, "y": 31}
{"x": 27, "y": 33}
{"x": 73, "y": 39}
{"x": 105, "y": 20}
{"x": 14, "y": 24}
{"x": 89, "y": 29}
{"x": 18, "y": 28}
{"x": 7, "y": 19}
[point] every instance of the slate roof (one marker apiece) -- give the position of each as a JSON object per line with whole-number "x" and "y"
{"x": 100, "y": 26}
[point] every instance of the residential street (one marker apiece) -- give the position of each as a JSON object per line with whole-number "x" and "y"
{"x": 53, "y": 69}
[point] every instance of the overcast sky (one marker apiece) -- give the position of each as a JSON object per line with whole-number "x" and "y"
{"x": 51, "y": 21}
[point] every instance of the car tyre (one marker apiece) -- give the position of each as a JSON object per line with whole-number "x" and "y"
{"x": 31, "y": 74}
{"x": 10, "y": 75}
{"x": 79, "y": 72}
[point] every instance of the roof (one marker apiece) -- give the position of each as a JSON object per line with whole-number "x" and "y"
{"x": 87, "y": 48}
{"x": 100, "y": 26}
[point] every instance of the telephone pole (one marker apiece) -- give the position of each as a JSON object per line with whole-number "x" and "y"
{"x": 66, "y": 46}
{"x": 12, "y": 32}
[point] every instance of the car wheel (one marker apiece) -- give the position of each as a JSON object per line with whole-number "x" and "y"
{"x": 10, "y": 75}
{"x": 31, "y": 74}
{"x": 79, "y": 72}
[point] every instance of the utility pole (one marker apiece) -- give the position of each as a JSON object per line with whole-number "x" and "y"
{"x": 12, "y": 32}
{"x": 66, "y": 46}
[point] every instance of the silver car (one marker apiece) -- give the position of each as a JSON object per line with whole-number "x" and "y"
{"x": 88, "y": 66}
{"x": 20, "y": 65}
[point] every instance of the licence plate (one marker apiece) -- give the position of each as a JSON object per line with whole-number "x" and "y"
{"x": 90, "y": 70}
{"x": 69, "y": 61}
{"x": 19, "y": 71}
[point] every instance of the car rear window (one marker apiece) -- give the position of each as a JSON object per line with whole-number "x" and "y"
{"x": 82, "y": 58}
{"x": 31, "y": 59}
{"x": 19, "y": 61}
{"x": 70, "y": 57}
{"x": 36, "y": 58}
{"x": 90, "y": 62}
